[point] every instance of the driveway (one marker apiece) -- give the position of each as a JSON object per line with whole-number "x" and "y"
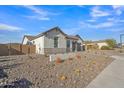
{"x": 112, "y": 76}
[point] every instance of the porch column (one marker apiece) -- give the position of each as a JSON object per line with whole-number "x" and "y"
{"x": 75, "y": 46}
{"x": 70, "y": 45}
{"x": 81, "y": 47}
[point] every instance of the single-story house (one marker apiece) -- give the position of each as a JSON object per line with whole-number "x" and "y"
{"x": 101, "y": 43}
{"x": 95, "y": 44}
{"x": 54, "y": 41}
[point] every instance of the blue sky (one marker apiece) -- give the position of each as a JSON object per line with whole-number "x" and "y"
{"x": 90, "y": 22}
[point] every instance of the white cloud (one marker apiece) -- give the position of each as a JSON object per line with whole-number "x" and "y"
{"x": 115, "y": 20}
{"x": 91, "y": 20}
{"x": 96, "y": 12}
{"x": 118, "y": 9}
{"x": 116, "y": 6}
{"x": 103, "y": 25}
{"x": 39, "y": 13}
{"x": 116, "y": 29}
{"x": 38, "y": 17}
{"x": 80, "y": 6}
{"x": 37, "y": 10}
{"x": 98, "y": 25}
{"x": 10, "y": 28}
{"x": 73, "y": 30}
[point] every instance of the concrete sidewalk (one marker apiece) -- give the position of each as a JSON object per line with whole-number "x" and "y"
{"x": 112, "y": 76}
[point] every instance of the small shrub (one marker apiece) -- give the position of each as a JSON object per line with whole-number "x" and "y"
{"x": 94, "y": 62}
{"x": 70, "y": 58}
{"x": 105, "y": 48}
{"x": 88, "y": 65}
{"x": 77, "y": 71}
{"x": 58, "y": 60}
{"x": 46, "y": 55}
{"x": 78, "y": 56}
{"x": 63, "y": 77}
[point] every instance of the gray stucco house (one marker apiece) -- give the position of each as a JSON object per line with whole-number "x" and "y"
{"x": 54, "y": 41}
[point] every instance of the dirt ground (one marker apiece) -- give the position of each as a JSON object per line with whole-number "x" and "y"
{"x": 36, "y": 70}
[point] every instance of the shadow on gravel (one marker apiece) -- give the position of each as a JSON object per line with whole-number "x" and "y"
{"x": 2, "y": 74}
{"x": 22, "y": 83}
{"x": 11, "y": 66}
{"x": 4, "y": 60}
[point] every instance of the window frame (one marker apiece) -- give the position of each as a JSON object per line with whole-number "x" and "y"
{"x": 68, "y": 43}
{"x": 56, "y": 42}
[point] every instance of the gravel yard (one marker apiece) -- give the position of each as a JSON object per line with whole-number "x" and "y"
{"x": 37, "y": 71}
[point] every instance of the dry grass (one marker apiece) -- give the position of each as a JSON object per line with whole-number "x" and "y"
{"x": 78, "y": 56}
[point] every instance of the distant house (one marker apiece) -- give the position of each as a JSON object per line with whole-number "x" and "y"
{"x": 54, "y": 41}
{"x": 95, "y": 44}
{"x": 101, "y": 43}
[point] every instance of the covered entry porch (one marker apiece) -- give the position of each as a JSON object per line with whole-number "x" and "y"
{"x": 73, "y": 46}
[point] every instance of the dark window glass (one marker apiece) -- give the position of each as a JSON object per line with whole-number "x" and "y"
{"x": 68, "y": 43}
{"x": 55, "y": 42}
{"x": 29, "y": 43}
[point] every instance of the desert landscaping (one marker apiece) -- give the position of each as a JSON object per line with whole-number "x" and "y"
{"x": 37, "y": 71}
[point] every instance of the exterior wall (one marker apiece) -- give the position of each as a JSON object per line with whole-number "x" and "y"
{"x": 79, "y": 41}
{"x": 102, "y": 44}
{"x": 64, "y": 56}
{"x": 39, "y": 42}
{"x": 25, "y": 40}
{"x": 49, "y": 42}
{"x": 54, "y": 50}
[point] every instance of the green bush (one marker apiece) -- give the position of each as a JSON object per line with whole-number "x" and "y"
{"x": 105, "y": 48}
{"x": 111, "y": 43}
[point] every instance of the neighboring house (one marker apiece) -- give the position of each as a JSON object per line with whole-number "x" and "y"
{"x": 54, "y": 41}
{"x": 95, "y": 44}
{"x": 101, "y": 43}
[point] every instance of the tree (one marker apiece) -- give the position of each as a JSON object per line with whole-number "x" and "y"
{"x": 111, "y": 43}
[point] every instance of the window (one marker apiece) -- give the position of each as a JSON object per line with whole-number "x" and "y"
{"x": 29, "y": 43}
{"x": 33, "y": 42}
{"x": 55, "y": 42}
{"x": 68, "y": 43}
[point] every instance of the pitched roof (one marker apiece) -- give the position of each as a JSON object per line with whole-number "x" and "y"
{"x": 30, "y": 37}
{"x": 72, "y": 37}
{"x": 55, "y": 28}
{"x": 76, "y": 37}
